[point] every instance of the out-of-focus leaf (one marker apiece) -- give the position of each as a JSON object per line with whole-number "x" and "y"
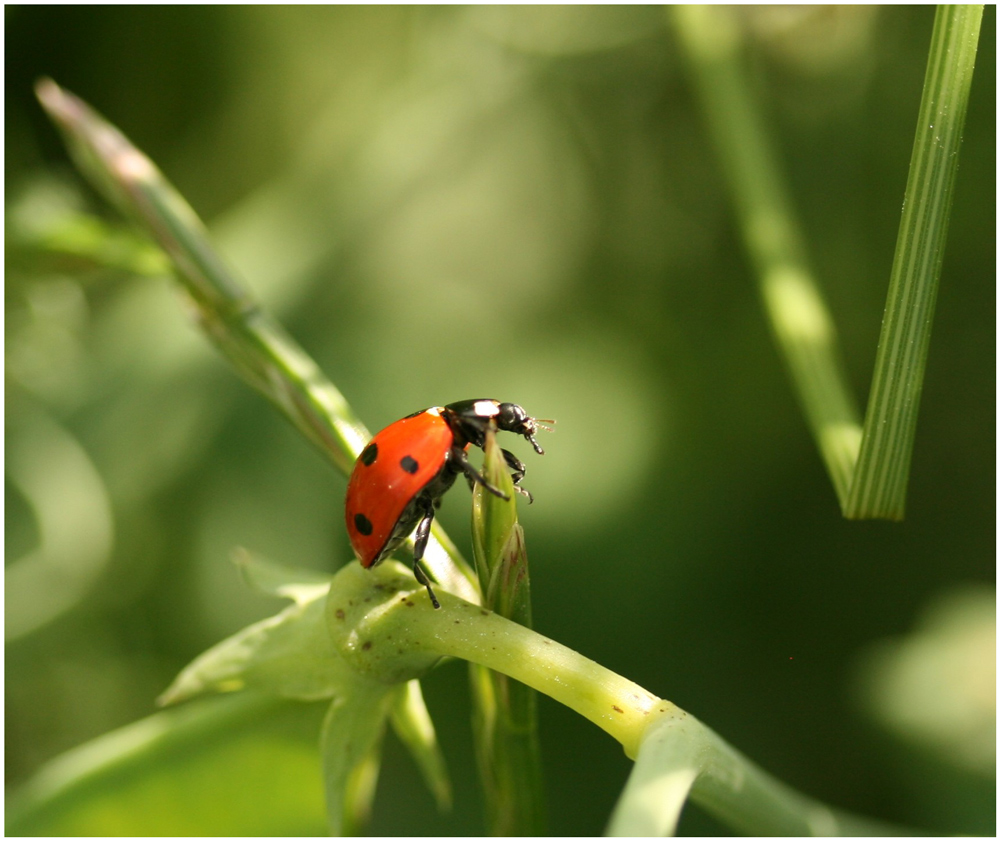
{"x": 937, "y": 686}
{"x": 76, "y": 529}
{"x": 352, "y": 736}
{"x": 224, "y": 767}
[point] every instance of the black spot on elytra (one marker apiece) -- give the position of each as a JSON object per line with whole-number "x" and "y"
{"x": 409, "y": 464}
{"x": 363, "y": 524}
{"x": 369, "y": 454}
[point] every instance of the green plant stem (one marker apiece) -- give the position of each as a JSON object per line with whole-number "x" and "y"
{"x": 257, "y": 346}
{"x": 879, "y": 485}
{"x": 385, "y": 628}
{"x": 792, "y": 299}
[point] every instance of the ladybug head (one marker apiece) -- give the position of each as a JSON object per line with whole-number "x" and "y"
{"x": 469, "y": 420}
{"x": 512, "y": 418}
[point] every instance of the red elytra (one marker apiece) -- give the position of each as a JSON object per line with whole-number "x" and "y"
{"x": 396, "y": 465}
{"x": 400, "y": 477}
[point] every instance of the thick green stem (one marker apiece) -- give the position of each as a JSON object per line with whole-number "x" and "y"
{"x": 383, "y": 623}
{"x": 384, "y": 626}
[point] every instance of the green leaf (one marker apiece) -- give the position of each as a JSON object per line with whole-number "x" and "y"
{"x": 289, "y": 655}
{"x": 45, "y": 226}
{"x": 271, "y": 579}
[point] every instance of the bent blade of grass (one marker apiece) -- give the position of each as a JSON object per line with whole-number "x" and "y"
{"x": 681, "y": 757}
{"x": 879, "y": 485}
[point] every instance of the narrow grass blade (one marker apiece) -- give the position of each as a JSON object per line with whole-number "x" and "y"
{"x": 259, "y": 348}
{"x": 869, "y": 465}
{"x": 879, "y": 486}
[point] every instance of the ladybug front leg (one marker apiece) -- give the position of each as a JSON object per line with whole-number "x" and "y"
{"x": 420, "y": 538}
{"x": 461, "y": 461}
{"x": 517, "y": 469}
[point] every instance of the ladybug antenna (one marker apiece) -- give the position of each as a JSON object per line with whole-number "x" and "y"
{"x": 535, "y": 425}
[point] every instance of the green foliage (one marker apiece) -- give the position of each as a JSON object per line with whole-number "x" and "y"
{"x": 545, "y": 166}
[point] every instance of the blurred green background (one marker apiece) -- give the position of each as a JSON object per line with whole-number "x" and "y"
{"x": 519, "y": 203}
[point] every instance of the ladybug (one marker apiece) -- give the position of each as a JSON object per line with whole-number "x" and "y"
{"x": 400, "y": 477}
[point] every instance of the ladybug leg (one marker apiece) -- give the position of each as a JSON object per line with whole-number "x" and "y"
{"x": 420, "y": 537}
{"x": 517, "y": 469}
{"x": 461, "y": 462}
{"x": 421, "y": 576}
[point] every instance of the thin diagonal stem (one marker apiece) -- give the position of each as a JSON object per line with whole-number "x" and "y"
{"x": 257, "y": 346}
{"x": 794, "y": 303}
